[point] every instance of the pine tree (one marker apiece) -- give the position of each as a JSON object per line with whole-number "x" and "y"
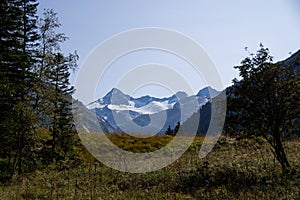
{"x": 61, "y": 122}
{"x": 18, "y": 39}
{"x": 35, "y": 88}
{"x": 176, "y": 129}
{"x": 169, "y": 131}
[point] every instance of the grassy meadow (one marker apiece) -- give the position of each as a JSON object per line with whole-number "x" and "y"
{"x": 235, "y": 169}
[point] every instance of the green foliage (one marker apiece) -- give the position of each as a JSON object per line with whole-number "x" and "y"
{"x": 35, "y": 90}
{"x": 18, "y": 41}
{"x": 54, "y": 72}
{"x": 265, "y": 101}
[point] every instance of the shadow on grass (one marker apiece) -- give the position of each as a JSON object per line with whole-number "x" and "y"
{"x": 235, "y": 181}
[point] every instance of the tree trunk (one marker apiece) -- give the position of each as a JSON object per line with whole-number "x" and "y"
{"x": 279, "y": 151}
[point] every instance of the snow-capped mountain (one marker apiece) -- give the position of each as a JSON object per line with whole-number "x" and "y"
{"x": 118, "y": 101}
{"x": 118, "y": 112}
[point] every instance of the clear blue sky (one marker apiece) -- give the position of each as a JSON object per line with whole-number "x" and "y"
{"x": 222, "y": 28}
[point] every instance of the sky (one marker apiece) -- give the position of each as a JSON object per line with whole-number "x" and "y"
{"x": 222, "y": 28}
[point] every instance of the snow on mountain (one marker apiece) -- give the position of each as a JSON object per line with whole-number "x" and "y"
{"x": 117, "y": 110}
{"x": 148, "y": 109}
{"x": 116, "y": 100}
{"x": 95, "y": 105}
{"x": 134, "y": 113}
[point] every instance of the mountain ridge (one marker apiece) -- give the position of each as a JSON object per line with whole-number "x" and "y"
{"x": 140, "y": 110}
{"x": 143, "y": 110}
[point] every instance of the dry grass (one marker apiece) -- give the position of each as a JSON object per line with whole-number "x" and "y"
{"x": 233, "y": 170}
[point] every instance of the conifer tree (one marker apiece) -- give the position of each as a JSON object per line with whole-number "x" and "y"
{"x": 18, "y": 39}
{"x": 169, "y": 131}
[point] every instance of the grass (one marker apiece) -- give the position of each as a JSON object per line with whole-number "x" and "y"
{"x": 242, "y": 169}
{"x": 138, "y": 144}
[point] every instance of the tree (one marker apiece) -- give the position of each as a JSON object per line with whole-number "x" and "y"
{"x": 54, "y": 73}
{"x": 266, "y": 100}
{"x": 18, "y": 39}
{"x": 171, "y": 132}
{"x": 176, "y": 129}
{"x": 61, "y": 120}
{"x": 35, "y": 89}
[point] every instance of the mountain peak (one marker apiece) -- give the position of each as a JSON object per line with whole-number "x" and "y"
{"x": 208, "y": 92}
{"x": 114, "y": 90}
{"x": 181, "y": 94}
{"x": 115, "y": 96}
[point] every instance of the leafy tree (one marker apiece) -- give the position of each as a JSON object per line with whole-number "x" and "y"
{"x": 266, "y": 100}
{"x": 54, "y": 72}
